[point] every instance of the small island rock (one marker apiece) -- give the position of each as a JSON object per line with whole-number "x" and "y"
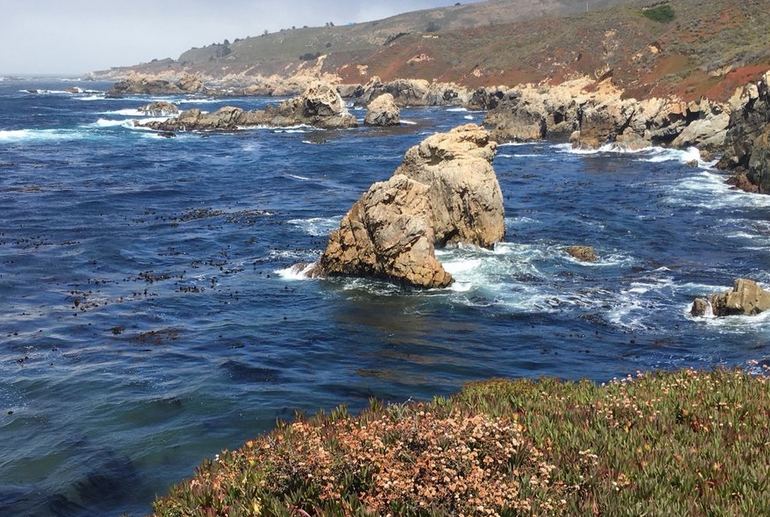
{"x": 747, "y": 298}
{"x": 582, "y": 253}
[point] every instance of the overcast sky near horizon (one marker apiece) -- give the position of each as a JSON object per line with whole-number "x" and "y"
{"x": 78, "y": 36}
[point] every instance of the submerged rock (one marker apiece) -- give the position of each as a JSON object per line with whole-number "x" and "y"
{"x": 319, "y": 106}
{"x": 444, "y": 192}
{"x": 582, "y": 253}
{"x": 747, "y": 298}
{"x": 383, "y": 111}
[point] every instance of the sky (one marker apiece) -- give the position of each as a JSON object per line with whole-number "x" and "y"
{"x": 79, "y": 36}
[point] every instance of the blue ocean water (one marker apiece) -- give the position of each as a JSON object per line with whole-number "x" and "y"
{"x": 149, "y": 318}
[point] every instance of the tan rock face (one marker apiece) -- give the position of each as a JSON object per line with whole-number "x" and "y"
{"x": 746, "y": 299}
{"x": 464, "y": 191}
{"x": 388, "y": 234}
{"x": 445, "y": 191}
{"x": 383, "y": 111}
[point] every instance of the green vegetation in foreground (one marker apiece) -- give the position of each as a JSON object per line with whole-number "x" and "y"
{"x": 682, "y": 443}
{"x": 661, "y": 13}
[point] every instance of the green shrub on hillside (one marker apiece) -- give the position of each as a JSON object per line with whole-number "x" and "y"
{"x": 661, "y": 13}
{"x": 682, "y": 443}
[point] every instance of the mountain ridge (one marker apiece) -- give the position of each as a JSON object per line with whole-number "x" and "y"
{"x": 690, "y": 48}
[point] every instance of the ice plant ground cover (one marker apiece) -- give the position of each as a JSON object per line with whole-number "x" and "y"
{"x": 673, "y": 443}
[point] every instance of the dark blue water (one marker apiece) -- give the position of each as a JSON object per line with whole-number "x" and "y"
{"x": 147, "y": 321}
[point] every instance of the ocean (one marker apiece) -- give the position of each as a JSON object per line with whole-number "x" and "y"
{"x": 150, "y": 317}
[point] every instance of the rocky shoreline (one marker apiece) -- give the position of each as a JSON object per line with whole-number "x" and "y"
{"x": 588, "y": 113}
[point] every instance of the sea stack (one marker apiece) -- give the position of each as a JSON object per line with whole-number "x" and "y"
{"x": 444, "y": 192}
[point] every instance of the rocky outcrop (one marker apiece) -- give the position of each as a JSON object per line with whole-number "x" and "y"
{"x": 518, "y": 120}
{"x": 320, "y": 106}
{"x": 159, "y": 109}
{"x": 747, "y": 146}
{"x": 746, "y": 298}
{"x": 410, "y": 92}
{"x": 582, "y": 253}
{"x": 444, "y": 192}
{"x": 187, "y": 84}
{"x": 383, "y": 111}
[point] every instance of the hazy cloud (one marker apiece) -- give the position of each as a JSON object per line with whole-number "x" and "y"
{"x": 76, "y": 36}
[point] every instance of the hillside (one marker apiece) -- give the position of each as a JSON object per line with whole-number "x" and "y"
{"x": 689, "y": 47}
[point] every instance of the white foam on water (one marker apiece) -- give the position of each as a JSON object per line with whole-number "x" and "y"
{"x": 408, "y": 122}
{"x": 128, "y": 123}
{"x": 47, "y": 92}
{"x": 298, "y": 177}
{"x": 522, "y": 220}
{"x": 469, "y": 117}
{"x": 458, "y": 110}
{"x": 96, "y": 97}
{"x": 516, "y": 144}
{"x": 22, "y": 135}
{"x": 730, "y": 324}
{"x": 524, "y": 155}
{"x": 129, "y": 112}
{"x": 653, "y": 154}
{"x": 300, "y": 128}
{"x": 296, "y": 272}
{"x": 709, "y": 190}
{"x": 660, "y": 154}
{"x": 182, "y": 100}
{"x": 317, "y": 226}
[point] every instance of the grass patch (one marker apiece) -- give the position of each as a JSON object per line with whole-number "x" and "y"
{"x": 660, "y": 13}
{"x": 681, "y": 443}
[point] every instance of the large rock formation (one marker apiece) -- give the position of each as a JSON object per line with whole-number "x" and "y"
{"x": 383, "y": 111}
{"x": 320, "y": 106}
{"x": 444, "y": 192}
{"x": 747, "y": 298}
{"x": 388, "y": 234}
{"x": 747, "y": 149}
{"x": 594, "y": 114}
